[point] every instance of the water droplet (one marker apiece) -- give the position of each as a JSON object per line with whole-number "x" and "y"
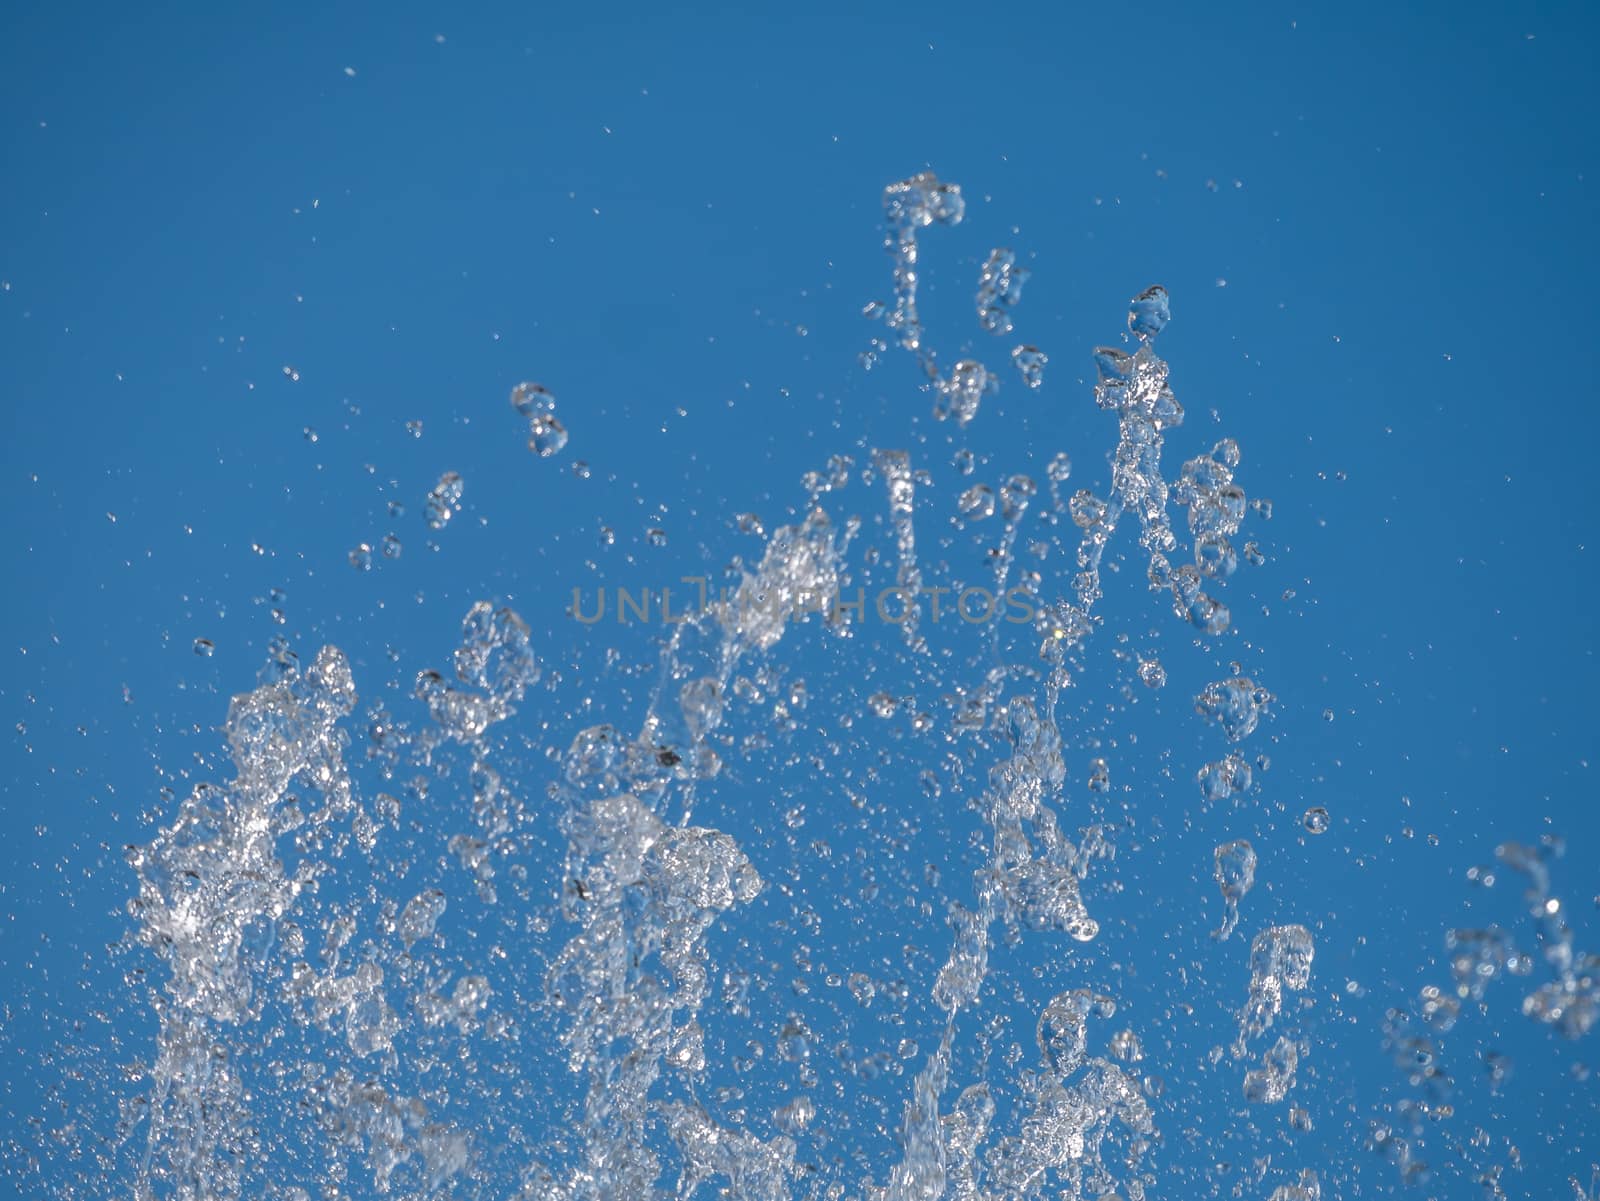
{"x": 977, "y": 502}
{"x": 1151, "y": 673}
{"x": 361, "y": 557}
{"x": 204, "y": 647}
{"x": 961, "y": 394}
{"x": 1227, "y": 777}
{"x": 1149, "y": 312}
{"x": 391, "y": 546}
{"x": 546, "y": 435}
{"x": 1030, "y": 363}
{"x": 532, "y": 400}
{"x": 444, "y": 501}
{"x": 999, "y": 289}
{"x": 1099, "y": 776}
{"x": 1236, "y": 705}
{"x": 656, "y": 536}
{"x": 1316, "y": 820}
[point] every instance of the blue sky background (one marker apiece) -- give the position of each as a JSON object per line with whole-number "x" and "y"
{"x": 671, "y": 218}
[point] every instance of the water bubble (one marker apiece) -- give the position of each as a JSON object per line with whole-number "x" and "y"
{"x": 656, "y": 536}
{"x": 204, "y": 647}
{"x": 361, "y": 557}
{"x": 1316, "y": 820}
{"x": 391, "y": 546}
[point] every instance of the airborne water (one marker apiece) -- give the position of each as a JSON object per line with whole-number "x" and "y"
{"x": 854, "y": 889}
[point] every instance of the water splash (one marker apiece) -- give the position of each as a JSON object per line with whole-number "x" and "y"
{"x": 408, "y": 1054}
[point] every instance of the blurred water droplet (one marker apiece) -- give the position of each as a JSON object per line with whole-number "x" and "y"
{"x": 1149, "y": 312}
{"x": 999, "y": 289}
{"x": 977, "y": 502}
{"x": 444, "y": 501}
{"x": 1030, "y": 363}
{"x": 532, "y": 400}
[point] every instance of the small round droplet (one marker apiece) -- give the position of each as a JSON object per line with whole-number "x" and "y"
{"x": 361, "y": 557}
{"x": 657, "y": 536}
{"x": 1316, "y": 820}
{"x": 546, "y": 435}
{"x": 204, "y": 647}
{"x": 391, "y": 546}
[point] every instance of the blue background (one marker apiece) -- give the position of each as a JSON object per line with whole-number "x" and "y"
{"x": 672, "y": 219}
